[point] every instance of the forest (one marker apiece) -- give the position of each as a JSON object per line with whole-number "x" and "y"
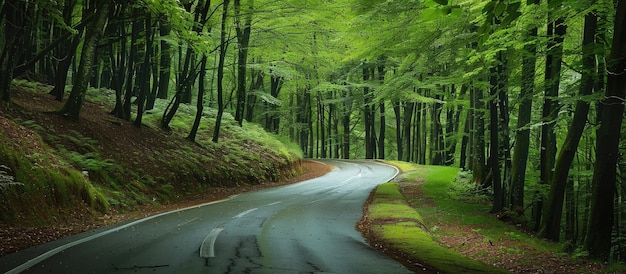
{"x": 527, "y": 95}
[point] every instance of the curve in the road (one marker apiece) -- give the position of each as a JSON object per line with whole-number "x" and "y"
{"x": 306, "y": 227}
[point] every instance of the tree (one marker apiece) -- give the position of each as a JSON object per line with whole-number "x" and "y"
{"x": 243, "y": 40}
{"x": 18, "y": 22}
{"x": 604, "y": 173}
{"x": 551, "y": 226}
{"x": 220, "y": 72}
{"x": 76, "y": 97}
{"x": 522, "y": 134}
{"x": 556, "y": 30}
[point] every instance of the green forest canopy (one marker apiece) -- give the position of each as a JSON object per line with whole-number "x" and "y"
{"x": 527, "y": 95}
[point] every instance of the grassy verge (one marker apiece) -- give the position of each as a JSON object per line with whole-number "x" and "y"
{"x": 400, "y": 226}
{"x": 431, "y": 207}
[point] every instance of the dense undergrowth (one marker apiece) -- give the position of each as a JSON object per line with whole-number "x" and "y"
{"x": 53, "y": 167}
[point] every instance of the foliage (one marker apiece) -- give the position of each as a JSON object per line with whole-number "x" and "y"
{"x": 7, "y": 180}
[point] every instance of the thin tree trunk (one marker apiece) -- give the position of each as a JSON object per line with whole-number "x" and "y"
{"x": 220, "y": 73}
{"x": 367, "y": 120}
{"x": 399, "y": 138}
{"x": 200, "y": 101}
{"x": 165, "y": 62}
{"x": 145, "y": 70}
{"x": 494, "y": 132}
{"x": 479, "y": 172}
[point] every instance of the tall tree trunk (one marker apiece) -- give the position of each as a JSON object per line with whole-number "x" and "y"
{"x": 495, "y": 82}
{"x": 367, "y": 112}
{"x": 556, "y": 32}
{"x": 257, "y": 84}
{"x": 144, "y": 86}
{"x": 598, "y": 240}
{"x": 437, "y": 149}
{"x": 18, "y": 16}
{"x": 64, "y": 53}
{"x": 382, "y": 110}
{"x": 551, "y": 225}
{"x": 165, "y": 62}
{"x": 243, "y": 39}
{"x": 524, "y": 114}
{"x": 76, "y": 98}
{"x": 397, "y": 106}
{"x": 200, "y": 101}
{"x": 407, "y": 126}
{"x": 118, "y": 64}
{"x": 465, "y": 141}
{"x": 478, "y": 168}
{"x": 321, "y": 131}
{"x": 220, "y": 73}
{"x": 345, "y": 121}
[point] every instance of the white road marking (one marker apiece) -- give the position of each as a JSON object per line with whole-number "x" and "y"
{"x": 59, "y": 249}
{"x": 207, "y": 248}
{"x": 244, "y": 213}
{"x": 187, "y": 222}
{"x": 274, "y": 203}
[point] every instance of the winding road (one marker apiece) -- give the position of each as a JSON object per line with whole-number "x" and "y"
{"x": 308, "y": 227}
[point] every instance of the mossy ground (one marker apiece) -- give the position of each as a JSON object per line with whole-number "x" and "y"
{"x": 402, "y": 229}
{"x": 455, "y": 226}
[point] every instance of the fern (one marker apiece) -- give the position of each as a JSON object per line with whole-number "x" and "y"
{"x": 7, "y": 180}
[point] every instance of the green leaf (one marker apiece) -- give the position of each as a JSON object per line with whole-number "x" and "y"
{"x": 499, "y": 9}
{"x": 442, "y": 2}
{"x": 552, "y": 4}
{"x": 513, "y": 7}
{"x": 489, "y": 7}
{"x": 510, "y": 18}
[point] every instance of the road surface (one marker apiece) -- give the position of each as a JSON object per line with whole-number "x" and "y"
{"x": 307, "y": 227}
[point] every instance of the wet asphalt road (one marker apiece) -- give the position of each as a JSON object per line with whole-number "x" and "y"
{"x": 307, "y": 227}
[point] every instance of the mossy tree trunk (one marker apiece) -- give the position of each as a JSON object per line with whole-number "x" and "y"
{"x": 76, "y": 98}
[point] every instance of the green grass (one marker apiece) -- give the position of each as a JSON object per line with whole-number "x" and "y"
{"x": 403, "y": 228}
{"x": 457, "y": 203}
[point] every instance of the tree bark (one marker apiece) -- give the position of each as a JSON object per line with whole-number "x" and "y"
{"x": 76, "y": 98}
{"x": 144, "y": 86}
{"x": 220, "y": 73}
{"x": 200, "y": 101}
{"x": 551, "y": 225}
{"x": 598, "y": 240}
{"x": 165, "y": 62}
{"x": 243, "y": 39}
{"x": 478, "y": 168}
{"x": 522, "y": 134}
